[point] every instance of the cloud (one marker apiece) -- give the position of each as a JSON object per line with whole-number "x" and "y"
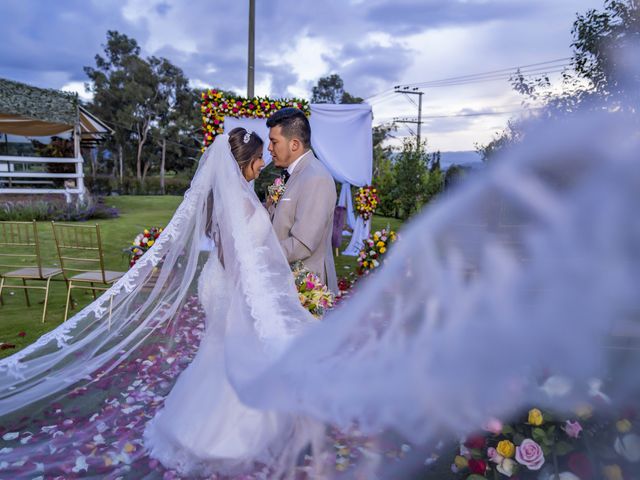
{"x": 372, "y": 44}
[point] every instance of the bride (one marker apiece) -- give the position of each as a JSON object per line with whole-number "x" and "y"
{"x": 204, "y": 428}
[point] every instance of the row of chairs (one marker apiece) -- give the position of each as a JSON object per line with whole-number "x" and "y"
{"x": 80, "y": 255}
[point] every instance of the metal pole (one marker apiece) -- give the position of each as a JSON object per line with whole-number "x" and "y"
{"x": 252, "y": 50}
{"x": 419, "y": 118}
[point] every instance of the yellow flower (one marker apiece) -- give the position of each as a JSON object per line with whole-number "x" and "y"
{"x": 365, "y": 264}
{"x": 623, "y": 425}
{"x": 535, "y": 417}
{"x": 380, "y": 244}
{"x": 128, "y": 448}
{"x": 612, "y": 472}
{"x": 150, "y": 242}
{"x": 382, "y": 249}
{"x": 146, "y": 231}
{"x": 584, "y": 411}
{"x": 460, "y": 462}
{"x": 506, "y": 448}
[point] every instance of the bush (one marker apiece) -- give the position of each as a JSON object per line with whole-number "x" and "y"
{"x": 59, "y": 210}
{"x": 15, "y": 211}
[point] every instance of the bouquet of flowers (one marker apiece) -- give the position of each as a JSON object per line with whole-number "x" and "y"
{"x": 276, "y": 190}
{"x": 583, "y": 444}
{"x": 313, "y": 295}
{"x": 366, "y": 201}
{"x": 373, "y": 250}
{"x": 142, "y": 243}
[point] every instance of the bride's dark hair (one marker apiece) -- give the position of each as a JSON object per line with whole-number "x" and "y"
{"x": 244, "y": 152}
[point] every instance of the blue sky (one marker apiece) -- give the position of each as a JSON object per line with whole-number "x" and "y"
{"x": 372, "y": 44}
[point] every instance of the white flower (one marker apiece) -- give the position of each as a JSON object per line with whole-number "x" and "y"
{"x": 556, "y": 386}
{"x": 628, "y": 446}
{"x": 595, "y": 390}
{"x": 506, "y": 467}
{"x": 549, "y": 475}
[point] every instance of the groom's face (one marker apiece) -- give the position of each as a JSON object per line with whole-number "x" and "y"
{"x": 283, "y": 150}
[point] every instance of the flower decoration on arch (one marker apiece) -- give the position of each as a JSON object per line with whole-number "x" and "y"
{"x": 216, "y": 105}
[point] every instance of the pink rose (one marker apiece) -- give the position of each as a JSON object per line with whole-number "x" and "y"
{"x": 310, "y": 285}
{"x": 494, "y": 456}
{"x": 572, "y": 429}
{"x": 530, "y": 455}
{"x": 277, "y": 182}
{"x": 493, "y": 425}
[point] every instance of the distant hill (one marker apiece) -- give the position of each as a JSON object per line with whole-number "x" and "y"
{"x": 469, "y": 159}
{"x": 465, "y": 159}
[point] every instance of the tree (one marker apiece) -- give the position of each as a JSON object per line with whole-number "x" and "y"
{"x": 434, "y": 182}
{"x": 383, "y": 171}
{"x": 330, "y": 89}
{"x": 604, "y": 73}
{"x": 139, "y": 97}
{"x": 107, "y": 84}
{"x": 410, "y": 172}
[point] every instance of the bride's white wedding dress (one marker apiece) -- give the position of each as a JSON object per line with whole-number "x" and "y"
{"x": 204, "y": 428}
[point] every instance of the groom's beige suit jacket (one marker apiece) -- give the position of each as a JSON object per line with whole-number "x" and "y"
{"x": 303, "y": 218}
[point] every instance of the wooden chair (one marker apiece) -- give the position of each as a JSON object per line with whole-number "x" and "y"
{"x": 82, "y": 259}
{"x": 20, "y": 253}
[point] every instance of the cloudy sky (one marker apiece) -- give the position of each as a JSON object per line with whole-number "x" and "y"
{"x": 373, "y": 44}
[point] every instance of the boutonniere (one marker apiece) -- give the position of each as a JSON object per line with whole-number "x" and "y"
{"x": 276, "y": 190}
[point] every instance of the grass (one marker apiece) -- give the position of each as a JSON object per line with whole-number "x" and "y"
{"x": 136, "y": 213}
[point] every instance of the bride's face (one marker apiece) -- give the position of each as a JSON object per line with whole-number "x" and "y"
{"x": 252, "y": 171}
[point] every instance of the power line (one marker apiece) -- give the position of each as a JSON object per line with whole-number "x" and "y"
{"x": 492, "y": 75}
{"x": 459, "y": 115}
{"x": 539, "y": 67}
{"x": 491, "y": 78}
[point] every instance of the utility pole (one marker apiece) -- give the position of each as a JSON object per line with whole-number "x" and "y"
{"x": 252, "y": 49}
{"x": 412, "y": 91}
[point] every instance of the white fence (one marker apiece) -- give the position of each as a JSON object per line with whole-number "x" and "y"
{"x": 28, "y": 175}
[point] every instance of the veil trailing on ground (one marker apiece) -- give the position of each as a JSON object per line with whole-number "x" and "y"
{"x": 526, "y": 269}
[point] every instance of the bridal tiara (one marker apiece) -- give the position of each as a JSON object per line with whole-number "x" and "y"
{"x": 247, "y": 136}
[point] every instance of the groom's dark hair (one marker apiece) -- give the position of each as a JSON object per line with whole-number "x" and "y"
{"x": 294, "y": 124}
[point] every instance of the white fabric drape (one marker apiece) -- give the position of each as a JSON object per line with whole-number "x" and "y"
{"x": 341, "y": 139}
{"x": 360, "y": 234}
{"x": 346, "y": 200}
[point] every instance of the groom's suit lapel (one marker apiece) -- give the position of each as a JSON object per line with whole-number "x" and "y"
{"x": 304, "y": 162}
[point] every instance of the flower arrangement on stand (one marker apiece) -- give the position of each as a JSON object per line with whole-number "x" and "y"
{"x": 143, "y": 242}
{"x": 366, "y": 201}
{"x": 583, "y": 444}
{"x": 313, "y": 294}
{"x": 374, "y": 249}
{"x": 217, "y": 105}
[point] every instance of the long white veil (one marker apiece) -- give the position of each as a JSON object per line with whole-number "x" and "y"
{"x": 529, "y": 267}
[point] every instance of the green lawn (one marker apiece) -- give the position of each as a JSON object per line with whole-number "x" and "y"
{"x": 136, "y": 213}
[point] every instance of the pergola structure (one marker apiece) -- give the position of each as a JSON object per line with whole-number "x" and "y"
{"x": 35, "y": 112}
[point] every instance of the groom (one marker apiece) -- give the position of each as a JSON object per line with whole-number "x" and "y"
{"x": 303, "y": 217}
